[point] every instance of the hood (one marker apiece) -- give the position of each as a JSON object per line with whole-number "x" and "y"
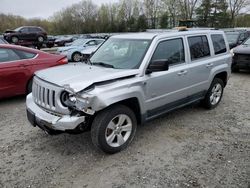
{"x": 65, "y": 48}
{"x": 242, "y": 49}
{"x": 78, "y": 48}
{"x": 79, "y": 76}
{"x": 10, "y": 31}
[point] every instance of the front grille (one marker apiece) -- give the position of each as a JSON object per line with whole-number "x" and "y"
{"x": 47, "y": 96}
{"x": 44, "y": 96}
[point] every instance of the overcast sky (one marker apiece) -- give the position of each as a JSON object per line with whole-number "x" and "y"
{"x": 39, "y": 8}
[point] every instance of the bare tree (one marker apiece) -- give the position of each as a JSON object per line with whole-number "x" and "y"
{"x": 187, "y": 8}
{"x": 235, "y": 6}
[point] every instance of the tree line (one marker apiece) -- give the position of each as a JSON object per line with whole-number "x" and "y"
{"x": 136, "y": 15}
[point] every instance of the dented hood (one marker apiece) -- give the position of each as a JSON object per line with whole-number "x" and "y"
{"x": 79, "y": 76}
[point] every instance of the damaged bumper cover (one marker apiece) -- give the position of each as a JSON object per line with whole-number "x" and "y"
{"x": 38, "y": 117}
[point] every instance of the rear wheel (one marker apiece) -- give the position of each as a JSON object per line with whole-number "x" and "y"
{"x": 114, "y": 128}
{"x": 14, "y": 39}
{"x": 214, "y": 94}
{"x": 76, "y": 57}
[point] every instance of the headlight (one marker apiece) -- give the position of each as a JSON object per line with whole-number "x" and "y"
{"x": 232, "y": 52}
{"x": 75, "y": 102}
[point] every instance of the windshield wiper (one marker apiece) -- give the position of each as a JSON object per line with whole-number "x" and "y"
{"x": 103, "y": 64}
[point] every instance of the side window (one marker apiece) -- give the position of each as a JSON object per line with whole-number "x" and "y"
{"x": 24, "y": 30}
{"x": 25, "y": 55}
{"x": 91, "y": 43}
{"x": 171, "y": 50}
{"x": 198, "y": 47}
{"x": 7, "y": 55}
{"x": 219, "y": 44}
{"x": 99, "y": 41}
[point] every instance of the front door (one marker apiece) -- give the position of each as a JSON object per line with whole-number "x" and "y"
{"x": 167, "y": 89}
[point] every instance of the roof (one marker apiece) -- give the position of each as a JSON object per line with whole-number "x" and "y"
{"x": 168, "y": 33}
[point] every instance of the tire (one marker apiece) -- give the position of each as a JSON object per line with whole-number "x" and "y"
{"x": 214, "y": 94}
{"x": 76, "y": 57}
{"x": 235, "y": 68}
{"x": 14, "y": 39}
{"x": 106, "y": 126}
{"x": 29, "y": 86}
{"x": 40, "y": 39}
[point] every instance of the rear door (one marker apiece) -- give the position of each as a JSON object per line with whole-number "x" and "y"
{"x": 200, "y": 64}
{"x": 14, "y": 73}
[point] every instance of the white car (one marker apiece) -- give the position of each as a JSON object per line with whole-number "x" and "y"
{"x": 87, "y": 52}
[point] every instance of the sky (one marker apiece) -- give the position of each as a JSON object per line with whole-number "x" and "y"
{"x": 39, "y": 8}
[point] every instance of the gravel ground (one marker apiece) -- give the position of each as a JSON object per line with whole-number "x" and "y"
{"x": 190, "y": 147}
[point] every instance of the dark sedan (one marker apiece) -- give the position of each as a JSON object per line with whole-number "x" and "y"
{"x": 241, "y": 56}
{"x": 17, "y": 66}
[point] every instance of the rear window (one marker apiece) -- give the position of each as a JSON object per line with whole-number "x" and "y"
{"x": 199, "y": 47}
{"x": 219, "y": 44}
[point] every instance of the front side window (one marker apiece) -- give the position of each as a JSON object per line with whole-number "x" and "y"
{"x": 199, "y": 47}
{"x": 91, "y": 43}
{"x": 121, "y": 53}
{"x": 7, "y": 55}
{"x": 219, "y": 44}
{"x": 171, "y": 50}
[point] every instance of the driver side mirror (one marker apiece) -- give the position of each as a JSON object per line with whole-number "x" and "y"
{"x": 158, "y": 66}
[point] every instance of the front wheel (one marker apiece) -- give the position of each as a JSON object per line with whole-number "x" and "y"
{"x": 76, "y": 57}
{"x": 113, "y": 129}
{"x": 40, "y": 39}
{"x": 14, "y": 39}
{"x": 214, "y": 94}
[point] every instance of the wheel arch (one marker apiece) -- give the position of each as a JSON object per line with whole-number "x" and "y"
{"x": 223, "y": 76}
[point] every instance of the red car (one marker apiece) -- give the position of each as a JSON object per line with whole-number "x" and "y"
{"x": 17, "y": 66}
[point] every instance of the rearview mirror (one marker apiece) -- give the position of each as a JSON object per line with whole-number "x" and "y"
{"x": 158, "y": 65}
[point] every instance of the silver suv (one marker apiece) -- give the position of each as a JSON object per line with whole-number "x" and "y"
{"x": 132, "y": 78}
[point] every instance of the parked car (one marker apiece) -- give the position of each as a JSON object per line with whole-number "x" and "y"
{"x": 50, "y": 42}
{"x": 132, "y": 78}
{"x": 88, "y": 52}
{"x": 26, "y": 33}
{"x": 241, "y": 56}
{"x": 63, "y": 40}
{"x": 235, "y": 38}
{"x": 2, "y": 40}
{"x": 73, "y": 52}
{"x": 17, "y": 67}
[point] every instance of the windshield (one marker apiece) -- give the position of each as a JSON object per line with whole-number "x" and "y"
{"x": 121, "y": 53}
{"x": 232, "y": 37}
{"x": 18, "y": 29}
{"x": 78, "y": 42}
{"x": 247, "y": 42}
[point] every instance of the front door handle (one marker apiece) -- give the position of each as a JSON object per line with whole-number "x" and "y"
{"x": 183, "y": 72}
{"x": 209, "y": 65}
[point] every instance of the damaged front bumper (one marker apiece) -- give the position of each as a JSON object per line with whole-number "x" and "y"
{"x": 49, "y": 122}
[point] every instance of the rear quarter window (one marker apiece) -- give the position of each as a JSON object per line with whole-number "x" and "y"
{"x": 199, "y": 47}
{"x": 219, "y": 44}
{"x": 25, "y": 55}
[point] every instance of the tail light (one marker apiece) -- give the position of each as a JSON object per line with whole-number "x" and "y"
{"x": 63, "y": 61}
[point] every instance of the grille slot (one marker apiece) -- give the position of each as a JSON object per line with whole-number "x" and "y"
{"x": 47, "y": 95}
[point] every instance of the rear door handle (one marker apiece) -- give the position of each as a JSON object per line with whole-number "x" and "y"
{"x": 209, "y": 65}
{"x": 183, "y": 72}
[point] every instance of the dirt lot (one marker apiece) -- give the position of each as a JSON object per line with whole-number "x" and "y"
{"x": 190, "y": 147}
